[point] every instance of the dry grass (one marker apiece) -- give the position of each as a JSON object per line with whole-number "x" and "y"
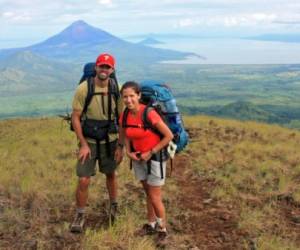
{"x": 37, "y": 185}
{"x": 251, "y": 168}
{"x": 256, "y": 168}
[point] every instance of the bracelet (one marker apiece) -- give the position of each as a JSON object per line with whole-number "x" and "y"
{"x": 120, "y": 145}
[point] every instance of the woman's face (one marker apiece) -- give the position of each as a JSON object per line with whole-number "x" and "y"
{"x": 130, "y": 98}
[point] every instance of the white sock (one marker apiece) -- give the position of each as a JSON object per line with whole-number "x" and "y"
{"x": 80, "y": 210}
{"x": 152, "y": 224}
{"x": 159, "y": 221}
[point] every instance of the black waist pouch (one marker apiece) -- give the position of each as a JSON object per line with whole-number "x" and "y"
{"x": 97, "y": 129}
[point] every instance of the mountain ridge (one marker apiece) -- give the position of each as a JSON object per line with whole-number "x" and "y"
{"x": 82, "y": 42}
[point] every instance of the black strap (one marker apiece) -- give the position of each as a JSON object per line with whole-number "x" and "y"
{"x": 147, "y": 123}
{"x": 109, "y": 101}
{"x": 131, "y": 150}
{"x": 98, "y": 152}
{"x": 113, "y": 89}
{"x": 126, "y": 125}
{"x": 116, "y": 94}
{"x": 149, "y": 166}
{"x": 90, "y": 92}
{"x": 161, "y": 164}
{"x": 171, "y": 162}
{"x": 124, "y": 118}
{"x": 107, "y": 144}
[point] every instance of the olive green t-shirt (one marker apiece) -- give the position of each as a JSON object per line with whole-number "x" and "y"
{"x": 98, "y": 108}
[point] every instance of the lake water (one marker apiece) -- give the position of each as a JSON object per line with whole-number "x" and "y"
{"x": 235, "y": 51}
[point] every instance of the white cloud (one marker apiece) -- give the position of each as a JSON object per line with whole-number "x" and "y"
{"x": 187, "y": 22}
{"x": 17, "y": 16}
{"x": 106, "y": 3}
{"x": 26, "y": 17}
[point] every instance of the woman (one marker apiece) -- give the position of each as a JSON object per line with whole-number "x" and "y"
{"x": 143, "y": 147}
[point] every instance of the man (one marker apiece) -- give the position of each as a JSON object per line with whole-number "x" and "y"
{"x": 108, "y": 150}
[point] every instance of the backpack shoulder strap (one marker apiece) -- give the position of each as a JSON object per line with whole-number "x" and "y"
{"x": 115, "y": 92}
{"x": 146, "y": 122}
{"x": 124, "y": 118}
{"x": 114, "y": 87}
{"x": 145, "y": 119}
{"x": 90, "y": 92}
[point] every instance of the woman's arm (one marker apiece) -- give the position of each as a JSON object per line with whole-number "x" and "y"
{"x": 131, "y": 155}
{"x": 167, "y": 137}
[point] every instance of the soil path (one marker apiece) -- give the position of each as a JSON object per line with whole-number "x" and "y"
{"x": 197, "y": 221}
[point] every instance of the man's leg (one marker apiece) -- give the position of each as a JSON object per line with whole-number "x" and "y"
{"x": 81, "y": 200}
{"x": 112, "y": 186}
{"x": 84, "y": 172}
{"x": 82, "y": 192}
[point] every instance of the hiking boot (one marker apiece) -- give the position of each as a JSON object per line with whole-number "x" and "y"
{"x": 113, "y": 211}
{"x": 146, "y": 230}
{"x": 162, "y": 239}
{"x": 78, "y": 223}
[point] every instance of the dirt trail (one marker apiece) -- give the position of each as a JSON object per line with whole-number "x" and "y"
{"x": 197, "y": 221}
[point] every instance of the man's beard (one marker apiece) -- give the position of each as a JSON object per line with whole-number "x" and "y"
{"x": 102, "y": 76}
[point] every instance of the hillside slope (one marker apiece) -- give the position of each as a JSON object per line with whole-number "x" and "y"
{"x": 29, "y": 73}
{"x": 239, "y": 189}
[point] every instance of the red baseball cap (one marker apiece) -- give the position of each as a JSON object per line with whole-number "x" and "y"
{"x": 105, "y": 59}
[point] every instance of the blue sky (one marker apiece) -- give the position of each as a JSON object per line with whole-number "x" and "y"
{"x": 23, "y": 22}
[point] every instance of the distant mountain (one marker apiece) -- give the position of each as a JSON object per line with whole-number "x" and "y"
{"x": 25, "y": 73}
{"x": 288, "y": 38}
{"x": 246, "y": 111}
{"x": 150, "y": 41}
{"x": 81, "y": 42}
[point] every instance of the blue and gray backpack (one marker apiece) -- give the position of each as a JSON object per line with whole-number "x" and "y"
{"x": 158, "y": 96}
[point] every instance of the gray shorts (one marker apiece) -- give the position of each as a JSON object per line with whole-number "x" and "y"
{"x": 153, "y": 179}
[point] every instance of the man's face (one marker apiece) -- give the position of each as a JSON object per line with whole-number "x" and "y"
{"x": 103, "y": 71}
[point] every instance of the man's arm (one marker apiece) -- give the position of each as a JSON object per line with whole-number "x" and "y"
{"x": 84, "y": 151}
{"x": 119, "y": 153}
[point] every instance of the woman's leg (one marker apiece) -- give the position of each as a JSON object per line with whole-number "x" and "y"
{"x": 155, "y": 196}
{"x": 150, "y": 209}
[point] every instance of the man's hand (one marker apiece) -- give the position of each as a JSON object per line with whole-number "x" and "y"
{"x": 119, "y": 153}
{"x": 84, "y": 153}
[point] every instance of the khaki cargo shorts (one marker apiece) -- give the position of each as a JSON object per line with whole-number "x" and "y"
{"x": 107, "y": 163}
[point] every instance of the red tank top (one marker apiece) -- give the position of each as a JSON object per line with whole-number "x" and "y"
{"x": 142, "y": 140}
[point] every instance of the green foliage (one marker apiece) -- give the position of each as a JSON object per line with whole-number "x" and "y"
{"x": 266, "y": 93}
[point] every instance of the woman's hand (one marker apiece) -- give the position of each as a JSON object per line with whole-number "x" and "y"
{"x": 134, "y": 156}
{"x": 146, "y": 156}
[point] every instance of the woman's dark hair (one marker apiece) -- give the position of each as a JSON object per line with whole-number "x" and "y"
{"x": 133, "y": 85}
